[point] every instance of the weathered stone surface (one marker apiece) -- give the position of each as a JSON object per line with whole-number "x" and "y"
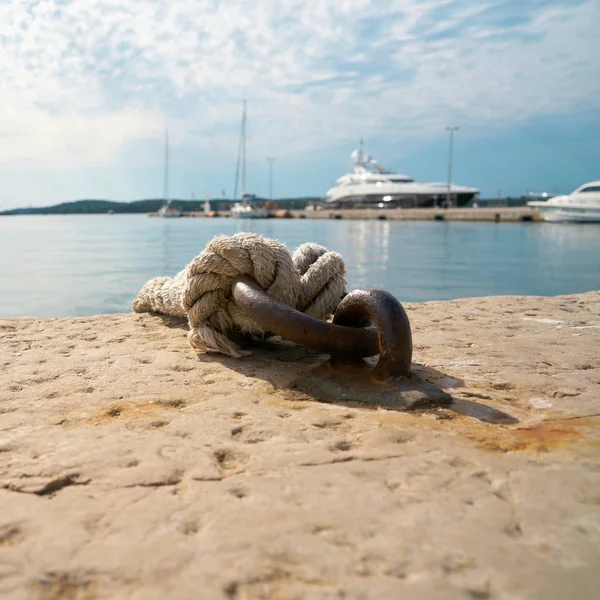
{"x": 132, "y": 468}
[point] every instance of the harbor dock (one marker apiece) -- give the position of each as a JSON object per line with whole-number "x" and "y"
{"x": 513, "y": 214}
{"x": 497, "y": 214}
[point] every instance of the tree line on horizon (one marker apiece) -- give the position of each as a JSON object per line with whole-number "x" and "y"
{"x": 144, "y": 206}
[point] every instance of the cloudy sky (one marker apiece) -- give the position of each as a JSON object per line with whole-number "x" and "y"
{"x": 88, "y": 86}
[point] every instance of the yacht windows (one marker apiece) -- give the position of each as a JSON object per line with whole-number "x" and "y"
{"x": 382, "y": 181}
{"x": 591, "y": 188}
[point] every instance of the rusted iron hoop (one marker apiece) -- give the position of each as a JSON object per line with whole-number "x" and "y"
{"x": 393, "y": 328}
{"x": 392, "y": 338}
{"x": 300, "y": 328}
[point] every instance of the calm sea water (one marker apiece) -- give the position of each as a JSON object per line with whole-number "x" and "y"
{"x": 56, "y": 266}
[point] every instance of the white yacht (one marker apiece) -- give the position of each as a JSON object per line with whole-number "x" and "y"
{"x": 580, "y": 206}
{"x": 369, "y": 185}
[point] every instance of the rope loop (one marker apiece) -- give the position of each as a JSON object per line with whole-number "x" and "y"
{"x": 311, "y": 281}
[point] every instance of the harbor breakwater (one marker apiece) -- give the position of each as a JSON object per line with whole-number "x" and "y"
{"x": 132, "y": 467}
{"x": 490, "y": 214}
{"x": 496, "y": 214}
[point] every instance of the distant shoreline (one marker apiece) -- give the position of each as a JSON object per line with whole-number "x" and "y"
{"x": 151, "y": 205}
{"x": 99, "y": 207}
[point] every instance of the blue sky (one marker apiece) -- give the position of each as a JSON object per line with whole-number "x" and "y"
{"x": 87, "y": 87}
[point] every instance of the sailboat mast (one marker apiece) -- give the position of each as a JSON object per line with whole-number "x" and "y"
{"x": 244, "y": 149}
{"x": 166, "y": 190}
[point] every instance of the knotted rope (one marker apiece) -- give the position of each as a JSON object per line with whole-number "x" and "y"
{"x": 311, "y": 281}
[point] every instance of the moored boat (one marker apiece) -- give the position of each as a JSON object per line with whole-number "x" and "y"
{"x": 167, "y": 211}
{"x": 580, "y": 206}
{"x": 246, "y": 208}
{"x": 369, "y": 185}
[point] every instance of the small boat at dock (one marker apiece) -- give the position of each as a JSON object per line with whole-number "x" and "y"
{"x": 167, "y": 211}
{"x": 244, "y": 210}
{"x": 247, "y": 207}
{"x": 580, "y": 206}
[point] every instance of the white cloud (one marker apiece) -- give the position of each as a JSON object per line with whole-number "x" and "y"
{"x": 80, "y": 79}
{"x": 70, "y": 139}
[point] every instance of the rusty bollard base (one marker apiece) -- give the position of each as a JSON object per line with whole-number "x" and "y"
{"x": 352, "y": 384}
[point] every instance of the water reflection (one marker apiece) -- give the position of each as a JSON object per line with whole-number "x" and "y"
{"x": 370, "y": 251}
{"x": 81, "y": 265}
{"x": 564, "y": 234}
{"x": 166, "y": 246}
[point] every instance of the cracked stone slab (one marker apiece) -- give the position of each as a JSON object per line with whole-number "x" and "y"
{"x": 130, "y": 467}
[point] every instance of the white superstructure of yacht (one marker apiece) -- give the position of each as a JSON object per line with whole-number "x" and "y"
{"x": 369, "y": 185}
{"x": 580, "y": 206}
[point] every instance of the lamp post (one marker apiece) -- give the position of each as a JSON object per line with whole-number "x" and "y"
{"x": 451, "y": 130}
{"x": 270, "y": 160}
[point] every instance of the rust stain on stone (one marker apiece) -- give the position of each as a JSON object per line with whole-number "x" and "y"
{"x": 127, "y": 411}
{"x": 122, "y": 410}
{"x": 546, "y": 436}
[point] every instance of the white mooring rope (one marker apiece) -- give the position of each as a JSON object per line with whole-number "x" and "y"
{"x": 311, "y": 280}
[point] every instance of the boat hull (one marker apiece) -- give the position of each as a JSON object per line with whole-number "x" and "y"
{"x": 569, "y": 215}
{"x": 580, "y": 206}
{"x": 250, "y": 216}
{"x": 249, "y": 213}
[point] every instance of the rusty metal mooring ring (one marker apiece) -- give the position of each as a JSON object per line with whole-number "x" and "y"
{"x": 393, "y": 328}
{"x": 345, "y": 338}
